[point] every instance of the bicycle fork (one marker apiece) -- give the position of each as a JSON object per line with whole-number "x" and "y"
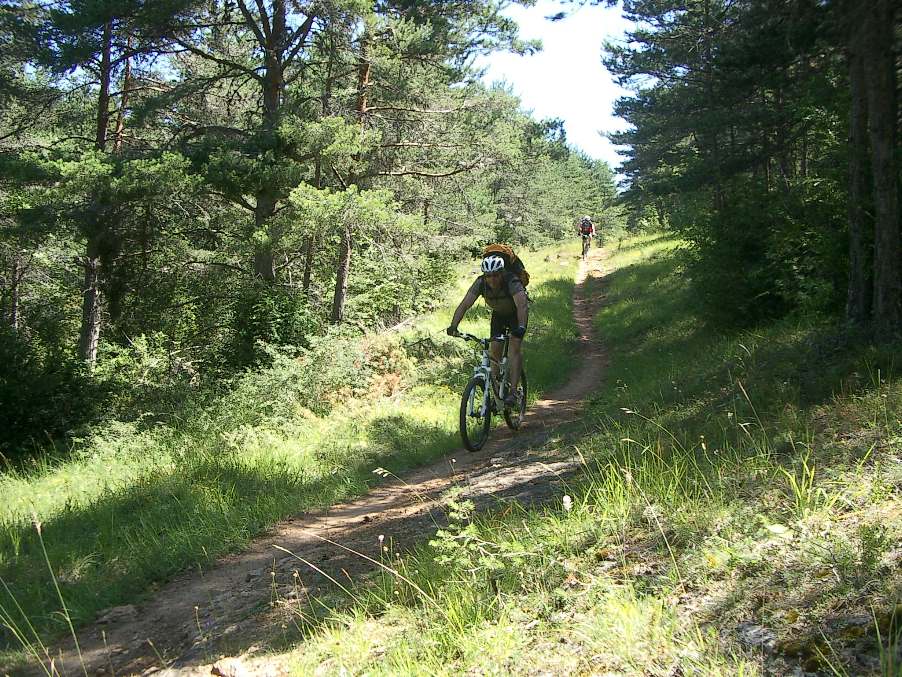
{"x": 483, "y": 372}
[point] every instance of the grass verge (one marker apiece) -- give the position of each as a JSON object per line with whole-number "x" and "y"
{"x": 131, "y": 505}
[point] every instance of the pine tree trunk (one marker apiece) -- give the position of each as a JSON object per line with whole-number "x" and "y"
{"x": 310, "y": 240}
{"x": 123, "y": 102}
{"x": 273, "y": 89}
{"x": 309, "y": 253}
{"x": 14, "y": 292}
{"x": 103, "y": 96}
{"x": 858, "y": 300}
{"x": 713, "y": 140}
{"x": 341, "y": 276}
{"x": 880, "y": 67}
{"x": 92, "y": 297}
{"x": 783, "y": 159}
{"x": 803, "y": 159}
{"x": 344, "y": 252}
{"x": 264, "y": 254}
{"x": 92, "y": 305}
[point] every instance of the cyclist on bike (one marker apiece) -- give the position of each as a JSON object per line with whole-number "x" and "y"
{"x": 586, "y": 229}
{"x": 506, "y": 296}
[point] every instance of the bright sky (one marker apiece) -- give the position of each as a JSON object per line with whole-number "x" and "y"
{"x": 566, "y": 79}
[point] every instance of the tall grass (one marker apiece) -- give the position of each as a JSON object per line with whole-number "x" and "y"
{"x": 130, "y": 505}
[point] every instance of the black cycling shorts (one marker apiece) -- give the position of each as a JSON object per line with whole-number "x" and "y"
{"x": 501, "y": 323}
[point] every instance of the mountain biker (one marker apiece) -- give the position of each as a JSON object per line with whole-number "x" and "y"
{"x": 586, "y": 227}
{"x": 586, "y": 232}
{"x": 505, "y": 294}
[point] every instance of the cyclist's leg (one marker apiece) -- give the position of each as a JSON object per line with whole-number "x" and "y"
{"x": 514, "y": 357}
{"x": 498, "y": 325}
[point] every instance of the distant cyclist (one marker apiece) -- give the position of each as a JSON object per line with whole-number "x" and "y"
{"x": 505, "y": 294}
{"x": 586, "y": 232}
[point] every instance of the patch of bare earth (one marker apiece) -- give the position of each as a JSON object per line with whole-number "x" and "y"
{"x": 196, "y": 619}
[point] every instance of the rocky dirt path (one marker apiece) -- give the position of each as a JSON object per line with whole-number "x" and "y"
{"x": 197, "y": 618}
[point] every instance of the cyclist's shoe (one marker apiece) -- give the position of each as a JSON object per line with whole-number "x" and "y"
{"x": 511, "y": 401}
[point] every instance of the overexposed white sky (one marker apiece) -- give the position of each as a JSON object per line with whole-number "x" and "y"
{"x": 566, "y": 79}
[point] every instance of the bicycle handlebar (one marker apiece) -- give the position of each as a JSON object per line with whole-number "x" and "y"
{"x": 484, "y": 342}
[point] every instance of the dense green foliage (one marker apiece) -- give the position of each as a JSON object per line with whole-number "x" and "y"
{"x": 176, "y": 200}
{"x": 741, "y": 126}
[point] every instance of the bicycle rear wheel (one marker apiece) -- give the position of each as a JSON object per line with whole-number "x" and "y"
{"x": 514, "y": 417}
{"x": 475, "y": 414}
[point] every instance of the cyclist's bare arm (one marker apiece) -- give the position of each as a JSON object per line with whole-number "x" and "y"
{"x": 522, "y": 303}
{"x": 463, "y": 307}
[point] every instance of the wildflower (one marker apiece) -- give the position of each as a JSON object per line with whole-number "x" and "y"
{"x": 381, "y": 538}
{"x": 568, "y": 503}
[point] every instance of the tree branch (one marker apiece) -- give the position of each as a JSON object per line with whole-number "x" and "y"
{"x": 344, "y": 185}
{"x": 238, "y": 199}
{"x": 431, "y": 175}
{"x": 299, "y": 38}
{"x": 264, "y": 21}
{"x": 249, "y": 20}
{"x": 419, "y": 110}
{"x": 222, "y": 62}
{"x": 417, "y": 144}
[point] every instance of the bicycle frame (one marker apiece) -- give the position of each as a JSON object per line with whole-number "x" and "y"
{"x": 483, "y": 370}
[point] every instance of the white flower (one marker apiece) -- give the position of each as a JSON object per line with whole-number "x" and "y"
{"x": 568, "y": 503}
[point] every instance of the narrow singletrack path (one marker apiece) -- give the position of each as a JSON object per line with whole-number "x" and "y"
{"x": 227, "y": 610}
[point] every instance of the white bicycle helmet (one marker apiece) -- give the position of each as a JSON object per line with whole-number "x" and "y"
{"x": 492, "y": 264}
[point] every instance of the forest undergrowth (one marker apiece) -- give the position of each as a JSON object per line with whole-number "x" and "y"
{"x": 737, "y": 514}
{"x": 132, "y": 504}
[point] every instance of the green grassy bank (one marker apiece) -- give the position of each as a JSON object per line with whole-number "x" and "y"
{"x": 738, "y": 513}
{"x": 133, "y": 504}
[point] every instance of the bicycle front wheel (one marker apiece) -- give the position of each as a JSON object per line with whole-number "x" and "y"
{"x": 514, "y": 417}
{"x": 475, "y": 414}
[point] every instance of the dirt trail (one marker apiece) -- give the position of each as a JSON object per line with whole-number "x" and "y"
{"x": 196, "y": 618}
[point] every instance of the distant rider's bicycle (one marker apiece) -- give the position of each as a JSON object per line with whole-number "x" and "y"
{"x": 484, "y": 395}
{"x": 587, "y": 242}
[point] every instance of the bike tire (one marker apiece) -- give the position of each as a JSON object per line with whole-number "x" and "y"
{"x": 513, "y": 418}
{"x": 474, "y": 430}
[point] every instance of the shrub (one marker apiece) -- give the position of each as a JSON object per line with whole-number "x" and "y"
{"x": 41, "y": 398}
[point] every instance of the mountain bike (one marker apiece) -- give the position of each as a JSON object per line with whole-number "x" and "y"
{"x": 485, "y": 393}
{"x": 587, "y": 242}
